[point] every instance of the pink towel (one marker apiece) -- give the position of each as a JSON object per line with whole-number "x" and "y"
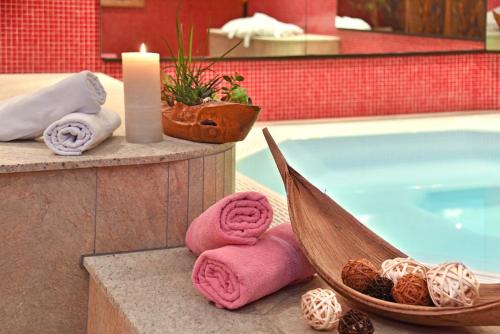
{"x": 238, "y": 219}
{"x": 233, "y": 276}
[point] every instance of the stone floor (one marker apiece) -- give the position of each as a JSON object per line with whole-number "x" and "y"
{"x": 152, "y": 291}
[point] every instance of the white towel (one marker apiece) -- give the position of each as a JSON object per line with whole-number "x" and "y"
{"x": 491, "y": 23}
{"x": 259, "y": 25}
{"x": 26, "y": 116}
{"x": 346, "y": 22}
{"x": 78, "y": 132}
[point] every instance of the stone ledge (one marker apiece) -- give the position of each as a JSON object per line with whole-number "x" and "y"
{"x": 31, "y": 156}
{"x": 152, "y": 293}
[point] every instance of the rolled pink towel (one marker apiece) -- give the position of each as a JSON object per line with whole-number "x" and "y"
{"x": 233, "y": 276}
{"x": 238, "y": 219}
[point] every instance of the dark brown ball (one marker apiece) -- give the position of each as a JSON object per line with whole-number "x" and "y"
{"x": 381, "y": 288}
{"x": 358, "y": 274}
{"x": 412, "y": 289}
{"x": 355, "y": 322}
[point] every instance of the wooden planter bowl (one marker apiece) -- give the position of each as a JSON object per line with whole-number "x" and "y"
{"x": 330, "y": 236}
{"x": 212, "y": 122}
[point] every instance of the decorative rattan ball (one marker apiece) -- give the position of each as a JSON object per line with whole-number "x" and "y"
{"x": 355, "y": 322}
{"x": 396, "y": 268}
{"x": 321, "y": 308}
{"x": 452, "y": 285}
{"x": 412, "y": 289}
{"x": 381, "y": 288}
{"x": 358, "y": 274}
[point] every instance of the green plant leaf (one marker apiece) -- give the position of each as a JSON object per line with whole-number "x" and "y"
{"x": 191, "y": 82}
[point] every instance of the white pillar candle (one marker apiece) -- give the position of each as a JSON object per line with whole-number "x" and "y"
{"x": 141, "y": 81}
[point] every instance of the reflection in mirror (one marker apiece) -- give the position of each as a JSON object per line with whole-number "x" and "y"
{"x": 124, "y": 28}
{"x": 276, "y": 28}
{"x": 271, "y": 29}
{"x": 401, "y": 26}
{"x": 265, "y": 28}
{"x": 493, "y": 26}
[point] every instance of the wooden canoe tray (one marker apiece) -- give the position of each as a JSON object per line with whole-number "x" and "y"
{"x": 330, "y": 236}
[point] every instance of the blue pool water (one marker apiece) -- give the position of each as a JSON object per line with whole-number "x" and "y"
{"x": 435, "y": 196}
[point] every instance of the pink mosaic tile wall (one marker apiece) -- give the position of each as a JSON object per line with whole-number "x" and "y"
{"x": 63, "y": 36}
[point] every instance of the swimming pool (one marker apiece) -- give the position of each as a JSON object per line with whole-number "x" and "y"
{"x": 434, "y": 195}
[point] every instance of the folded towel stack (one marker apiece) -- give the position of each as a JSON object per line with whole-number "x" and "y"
{"x": 233, "y": 276}
{"x": 26, "y": 116}
{"x": 239, "y": 219}
{"x": 81, "y": 95}
{"x": 239, "y": 261}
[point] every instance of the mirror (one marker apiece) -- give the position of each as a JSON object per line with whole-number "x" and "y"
{"x": 402, "y": 26}
{"x": 275, "y": 28}
{"x": 493, "y": 26}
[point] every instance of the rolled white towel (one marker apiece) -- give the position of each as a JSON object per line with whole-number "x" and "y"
{"x": 26, "y": 116}
{"x": 78, "y": 132}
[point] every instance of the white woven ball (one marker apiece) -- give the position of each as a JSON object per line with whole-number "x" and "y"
{"x": 396, "y": 268}
{"x": 321, "y": 308}
{"x": 452, "y": 285}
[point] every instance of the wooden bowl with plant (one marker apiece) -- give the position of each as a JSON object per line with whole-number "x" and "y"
{"x": 201, "y": 105}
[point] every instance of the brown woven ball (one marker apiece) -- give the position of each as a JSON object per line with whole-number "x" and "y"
{"x": 412, "y": 289}
{"x": 381, "y": 288}
{"x": 355, "y": 322}
{"x": 358, "y": 274}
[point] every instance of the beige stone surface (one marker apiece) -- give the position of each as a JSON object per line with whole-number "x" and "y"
{"x": 46, "y": 224}
{"x": 229, "y": 166}
{"x": 233, "y": 168}
{"x": 132, "y": 207}
{"x": 153, "y": 291}
{"x": 195, "y": 188}
{"x": 27, "y": 156}
{"x": 103, "y": 317}
{"x": 178, "y": 202}
{"x": 219, "y": 175}
{"x": 209, "y": 183}
{"x": 160, "y": 299}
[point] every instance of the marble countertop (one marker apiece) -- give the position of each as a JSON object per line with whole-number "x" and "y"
{"x": 153, "y": 290}
{"x": 28, "y": 156}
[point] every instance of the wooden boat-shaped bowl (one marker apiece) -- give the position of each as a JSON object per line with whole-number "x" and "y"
{"x": 330, "y": 236}
{"x": 213, "y": 122}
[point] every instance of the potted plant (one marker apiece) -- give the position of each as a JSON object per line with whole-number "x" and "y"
{"x": 201, "y": 105}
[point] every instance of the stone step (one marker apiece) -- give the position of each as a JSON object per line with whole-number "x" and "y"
{"x": 150, "y": 292}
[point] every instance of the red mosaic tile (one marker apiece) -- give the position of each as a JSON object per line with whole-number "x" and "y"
{"x": 63, "y": 36}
